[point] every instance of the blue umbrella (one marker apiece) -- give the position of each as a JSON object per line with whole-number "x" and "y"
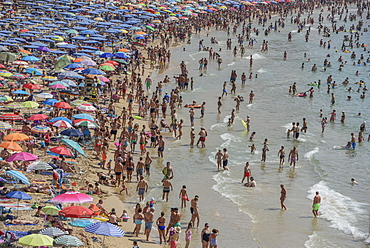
{"x": 18, "y": 176}
{"x": 74, "y": 146}
{"x": 106, "y": 55}
{"x": 30, "y": 58}
{"x": 33, "y": 71}
{"x": 60, "y": 119}
{"x": 83, "y": 116}
{"x": 93, "y": 71}
{"x": 20, "y": 195}
{"x": 74, "y": 65}
{"x": 21, "y": 92}
{"x": 72, "y": 133}
{"x": 106, "y": 229}
{"x": 50, "y": 102}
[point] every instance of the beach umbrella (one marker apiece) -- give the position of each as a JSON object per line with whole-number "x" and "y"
{"x": 18, "y": 76}
{"x": 106, "y": 68}
{"x": 68, "y": 240}
{"x": 61, "y": 150}
{"x": 45, "y": 95}
{"x": 50, "y": 102}
{"x": 52, "y": 231}
{"x": 21, "y": 92}
{"x": 8, "y": 57}
{"x": 30, "y": 58}
{"x": 57, "y": 86}
{"x": 5, "y": 99}
{"x": 25, "y": 156}
{"x": 30, "y": 104}
{"x": 60, "y": 119}
{"x": 74, "y": 146}
{"x": 78, "y": 102}
{"x": 34, "y": 71}
{"x": 20, "y": 195}
{"x": 72, "y": 133}
{"x": 11, "y": 146}
{"x": 62, "y": 105}
{"x": 38, "y": 117}
{"x": 106, "y": 229}
{"x": 62, "y": 124}
{"x": 76, "y": 212}
{"x": 50, "y": 210}
{"x": 12, "y": 117}
{"x": 16, "y": 137}
{"x": 93, "y": 71}
{"x": 86, "y": 107}
{"x": 36, "y": 240}
{"x": 39, "y": 165}
{"x": 4, "y": 125}
{"x": 14, "y": 105}
{"x": 72, "y": 197}
{"x": 86, "y": 123}
{"x": 82, "y": 116}
{"x": 88, "y": 62}
{"x": 40, "y": 129}
{"x": 18, "y": 176}
{"x": 32, "y": 86}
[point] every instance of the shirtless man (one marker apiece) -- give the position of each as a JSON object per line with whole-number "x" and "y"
{"x": 316, "y": 204}
{"x": 353, "y": 140}
{"x": 148, "y": 161}
{"x": 264, "y": 150}
{"x": 225, "y": 159}
{"x": 247, "y": 172}
{"x": 168, "y": 171}
{"x": 281, "y": 155}
{"x": 142, "y": 187}
{"x": 115, "y": 125}
{"x": 202, "y": 109}
{"x": 149, "y": 219}
{"x": 194, "y": 210}
{"x": 139, "y": 168}
{"x": 304, "y": 125}
{"x": 191, "y": 114}
{"x": 160, "y": 145}
{"x": 118, "y": 168}
{"x": 167, "y": 187}
{"x": 219, "y": 105}
{"x": 202, "y": 139}
{"x": 293, "y": 156}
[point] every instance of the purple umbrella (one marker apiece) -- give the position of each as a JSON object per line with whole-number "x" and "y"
{"x": 25, "y": 156}
{"x": 44, "y": 49}
{"x": 88, "y": 62}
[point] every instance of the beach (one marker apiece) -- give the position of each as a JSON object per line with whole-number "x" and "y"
{"x": 243, "y": 216}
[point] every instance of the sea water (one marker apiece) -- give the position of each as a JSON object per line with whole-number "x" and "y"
{"x": 251, "y": 217}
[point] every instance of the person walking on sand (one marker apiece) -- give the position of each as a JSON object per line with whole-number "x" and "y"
{"x": 194, "y": 210}
{"x": 282, "y": 196}
{"x": 149, "y": 219}
{"x": 142, "y": 187}
{"x": 161, "y": 223}
{"x": 247, "y": 172}
{"x": 316, "y": 204}
{"x": 183, "y": 195}
{"x": 293, "y": 156}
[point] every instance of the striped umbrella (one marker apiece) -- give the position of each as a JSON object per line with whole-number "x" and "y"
{"x": 68, "y": 240}
{"x": 52, "y": 231}
{"x": 6, "y": 99}
{"x": 4, "y": 125}
{"x": 12, "y": 117}
{"x": 40, "y": 129}
{"x": 14, "y": 105}
{"x": 18, "y": 176}
{"x": 62, "y": 124}
{"x": 106, "y": 229}
{"x": 86, "y": 123}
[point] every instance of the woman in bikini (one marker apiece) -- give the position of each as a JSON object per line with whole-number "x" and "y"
{"x": 161, "y": 223}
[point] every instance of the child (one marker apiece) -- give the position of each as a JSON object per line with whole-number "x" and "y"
{"x": 188, "y": 234}
{"x": 38, "y": 213}
{"x": 135, "y": 245}
{"x": 184, "y": 196}
{"x": 253, "y": 148}
{"x": 124, "y": 216}
{"x": 90, "y": 189}
{"x": 112, "y": 180}
{"x": 124, "y": 188}
{"x": 252, "y": 136}
{"x": 213, "y": 238}
{"x": 109, "y": 165}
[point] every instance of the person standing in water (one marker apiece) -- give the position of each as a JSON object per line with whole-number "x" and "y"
{"x": 247, "y": 172}
{"x": 282, "y": 196}
{"x": 316, "y": 204}
{"x": 293, "y": 156}
{"x": 281, "y": 155}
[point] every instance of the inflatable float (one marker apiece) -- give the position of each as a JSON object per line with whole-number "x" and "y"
{"x": 301, "y": 94}
{"x": 192, "y": 106}
{"x": 312, "y": 84}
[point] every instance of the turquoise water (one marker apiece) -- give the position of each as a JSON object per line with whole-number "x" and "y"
{"x": 251, "y": 217}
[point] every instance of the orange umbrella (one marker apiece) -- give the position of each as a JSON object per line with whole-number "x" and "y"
{"x": 25, "y": 51}
{"x": 78, "y": 60}
{"x": 16, "y": 137}
{"x": 140, "y": 32}
{"x": 11, "y": 146}
{"x": 124, "y": 50}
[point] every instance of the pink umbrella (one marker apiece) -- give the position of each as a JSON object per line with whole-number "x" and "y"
{"x": 58, "y": 86}
{"x": 72, "y": 197}
{"x": 104, "y": 79}
{"x": 25, "y": 156}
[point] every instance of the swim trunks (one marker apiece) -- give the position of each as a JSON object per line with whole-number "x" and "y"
{"x": 166, "y": 190}
{"x": 177, "y": 224}
{"x": 148, "y": 225}
{"x": 160, "y": 149}
{"x": 224, "y": 163}
{"x": 118, "y": 173}
{"x": 354, "y": 145}
{"x": 202, "y": 139}
{"x": 162, "y": 228}
{"x": 140, "y": 171}
{"x": 141, "y": 191}
{"x": 247, "y": 174}
{"x": 316, "y": 206}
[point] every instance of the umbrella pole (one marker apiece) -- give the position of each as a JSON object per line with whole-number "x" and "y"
{"x": 18, "y": 207}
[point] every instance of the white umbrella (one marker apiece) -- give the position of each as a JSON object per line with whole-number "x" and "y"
{"x": 39, "y": 165}
{"x": 63, "y": 124}
{"x": 52, "y": 231}
{"x": 45, "y": 95}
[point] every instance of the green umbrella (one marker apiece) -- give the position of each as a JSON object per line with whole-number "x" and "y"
{"x": 74, "y": 145}
{"x": 30, "y": 104}
{"x": 50, "y": 210}
{"x": 14, "y": 105}
{"x": 121, "y": 61}
{"x": 150, "y": 28}
{"x": 8, "y": 57}
{"x": 36, "y": 240}
{"x": 72, "y": 31}
{"x": 106, "y": 68}
{"x": 68, "y": 240}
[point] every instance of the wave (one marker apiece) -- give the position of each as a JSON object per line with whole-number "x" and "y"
{"x": 309, "y": 155}
{"x": 340, "y": 210}
{"x": 255, "y": 56}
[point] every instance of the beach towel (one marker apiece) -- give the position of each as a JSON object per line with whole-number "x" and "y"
{"x": 9, "y": 224}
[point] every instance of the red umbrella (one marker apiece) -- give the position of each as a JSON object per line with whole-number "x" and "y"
{"x": 2, "y": 66}
{"x": 76, "y": 212}
{"x": 61, "y": 151}
{"x": 62, "y": 105}
{"x": 32, "y": 86}
{"x": 112, "y": 62}
{"x": 12, "y": 117}
{"x": 79, "y": 120}
{"x": 38, "y": 117}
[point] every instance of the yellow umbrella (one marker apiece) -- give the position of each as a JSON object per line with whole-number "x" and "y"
{"x": 58, "y": 38}
{"x": 124, "y": 31}
{"x": 30, "y": 104}
{"x": 98, "y": 19}
{"x": 36, "y": 240}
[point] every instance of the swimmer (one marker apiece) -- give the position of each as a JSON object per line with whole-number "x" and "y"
{"x": 353, "y": 181}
